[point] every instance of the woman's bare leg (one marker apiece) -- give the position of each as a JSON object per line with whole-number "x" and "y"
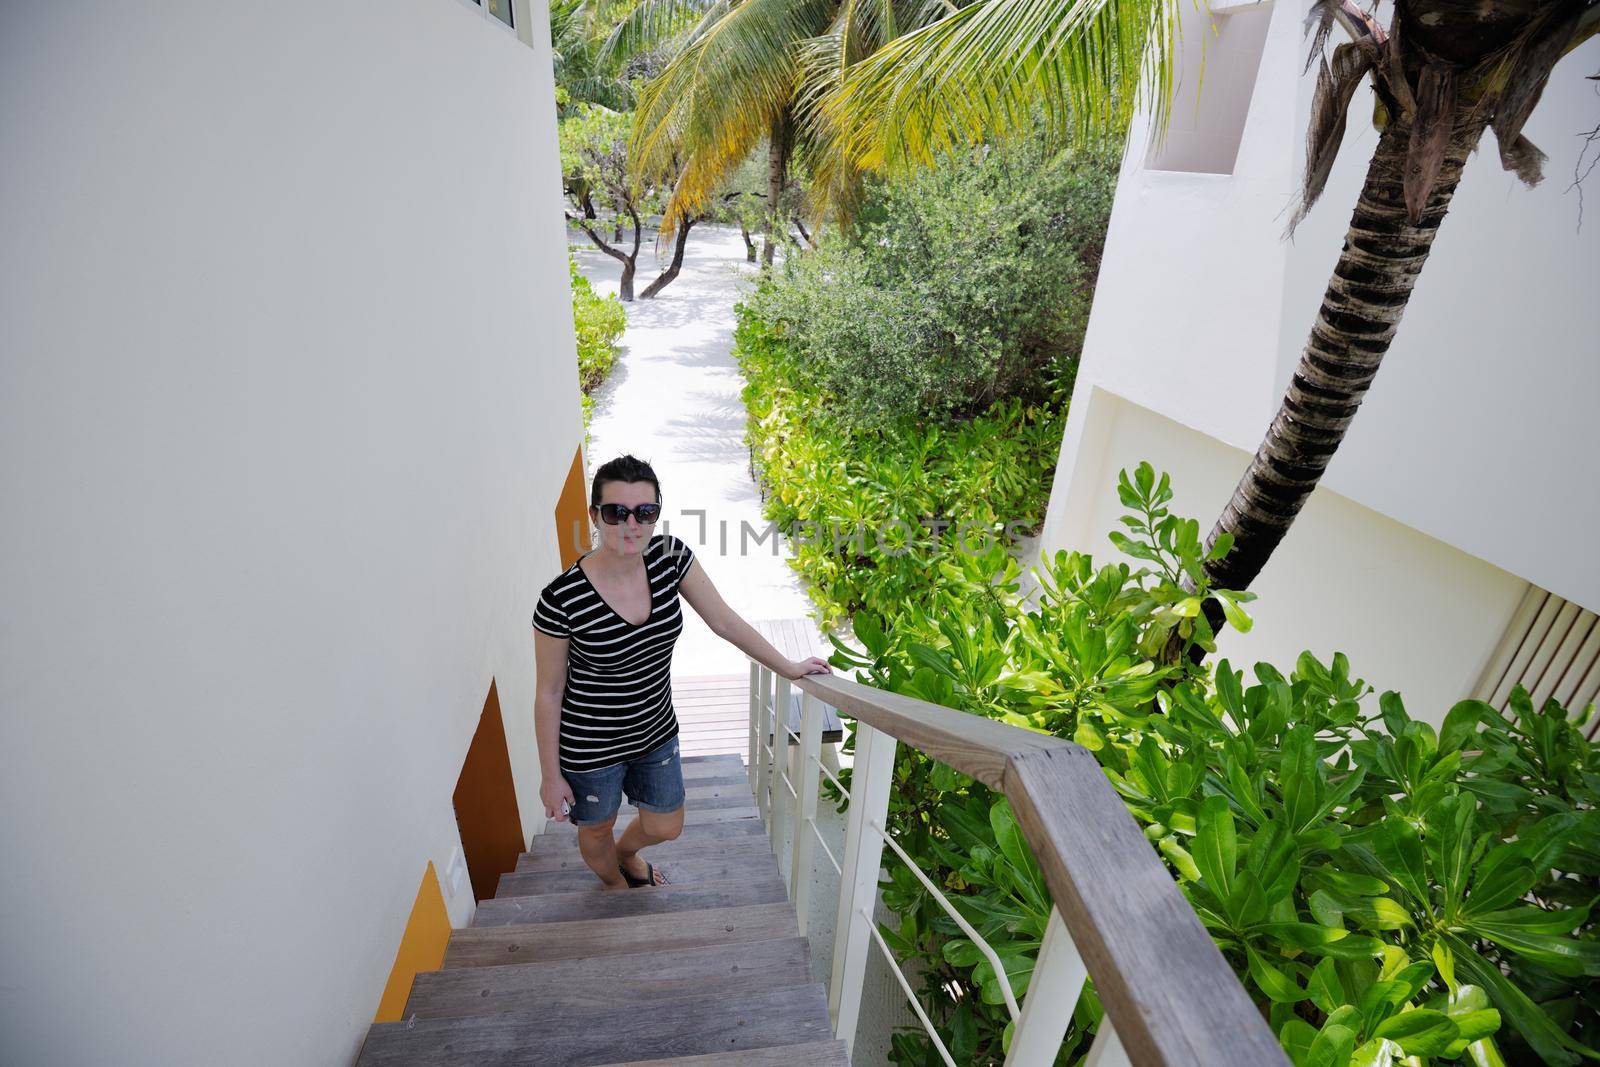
{"x": 598, "y": 848}
{"x": 647, "y": 828}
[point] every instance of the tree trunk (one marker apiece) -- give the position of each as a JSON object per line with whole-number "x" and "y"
{"x": 777, "y": 168}
{"x": 629, "y": 260}
{"x": 800, "y": 224}
{"x": 681, "y": 240}
{"x": 749, "y": 245}
{"x": 1361, "y": 310}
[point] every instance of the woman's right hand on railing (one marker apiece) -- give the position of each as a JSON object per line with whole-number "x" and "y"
{"x": 556, "y": 795}
{"x": 799, "y": 668}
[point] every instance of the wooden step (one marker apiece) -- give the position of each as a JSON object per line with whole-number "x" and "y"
{"x": 479, "y": 946}
{"x": 736, "y": 778}
{"x": 704, "y": 790}
{"x": 696, "y": 799}
{"x": 561, "y": 841}
{"x": 701, "y": 867}
{"x": 721, "y": 796}
{"x": 718, "y": 760}
{"x": 762, "y": 887}
{"x": 721, "y": 760}
{"x": 750, "y": 846}
{"x": 690, "y": 1026}
{"x": 811, "y": 1054}
{"x": 622, "y": 981}
{"x": 692, "y": 816}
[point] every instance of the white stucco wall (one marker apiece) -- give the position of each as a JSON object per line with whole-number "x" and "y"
{"x": 1479, "y": 428}
{"x": 287, "y": 393}
{"x": 1412, "y": 613}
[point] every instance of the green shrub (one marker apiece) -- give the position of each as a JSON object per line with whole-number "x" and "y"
{"x": 1382, "y": 888}
{"x": 599, "y": 322}
{"x": 903, "y": 479}
{"x": 1386, "y": 891}
{"x": 966, "y": 285}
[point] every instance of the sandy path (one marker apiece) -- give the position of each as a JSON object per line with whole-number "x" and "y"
{"x": 673, "y": 401}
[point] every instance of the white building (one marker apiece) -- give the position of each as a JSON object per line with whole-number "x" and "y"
{"x": 1448, "y": 550}
{"x": 288, "y": 402}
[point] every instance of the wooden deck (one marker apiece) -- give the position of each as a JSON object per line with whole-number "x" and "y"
{"x": 713, "y": 714}
{"x": 714, "y": 710}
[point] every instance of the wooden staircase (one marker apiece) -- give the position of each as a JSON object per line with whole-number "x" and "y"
{"x": 708, "y": 971}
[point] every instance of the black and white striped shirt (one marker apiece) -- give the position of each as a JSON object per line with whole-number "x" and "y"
{"x": 618, "y": 700}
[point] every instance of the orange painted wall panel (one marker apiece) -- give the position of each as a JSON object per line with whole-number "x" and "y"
{"x": 486, "y": 803}
{"x": 421, "y": 947}
{"x": 572, "y": 514}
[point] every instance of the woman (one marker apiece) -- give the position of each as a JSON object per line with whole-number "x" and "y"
{"x": 606, "y": 627}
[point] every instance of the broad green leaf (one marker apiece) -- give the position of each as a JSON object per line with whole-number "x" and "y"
{"x": 959, "y": 952}
{"x": 1216, "y": 850}
{"x": 1379, "y": 1052}
{"x": 1476, "y": 1025}
{"x": 1008, "y": 835}
{"x": 1420, "y": 1031}
{"x": 1326, "y": 910}
{"x": 1296, "y": 1036}
{"x": 1273, "y": 982}
{"x": 1327, "y": 992}
{"x": 1399, "y": 849}
{"x": 1462, "y": 721}
{"x": 1563, "y": 955}
{"x": 1236, "y": 616}
{"x": 1333, "y": 1046}
{"x": 1546, "y": 1039}
{"x": 1179, "y": 857}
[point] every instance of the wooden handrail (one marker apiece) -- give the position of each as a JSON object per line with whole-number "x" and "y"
{"x": 1172, "y": 997}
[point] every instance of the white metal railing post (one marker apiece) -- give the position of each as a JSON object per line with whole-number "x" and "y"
{"x": 755, "y": 702}
{"x": 1057, "y": 982}
{"x": 1107, "y": 1050}
{"x": 763, "y": 716}
{"x": 781, "y": 776}
{"x": 871, "y": 777}
{"x": 805, "y": 809}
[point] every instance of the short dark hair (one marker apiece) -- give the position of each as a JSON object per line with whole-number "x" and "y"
{"x": 622, "y": 469}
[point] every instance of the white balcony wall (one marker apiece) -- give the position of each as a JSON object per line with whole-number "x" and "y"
{"x": 287, "y": 394}
{"x": 1412, "y": 613}
{"x": 1478, "y": 432}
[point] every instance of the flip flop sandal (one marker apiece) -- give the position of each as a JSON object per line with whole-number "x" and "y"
{"x": 634, "y": 883}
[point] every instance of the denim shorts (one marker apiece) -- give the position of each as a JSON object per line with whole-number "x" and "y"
{"x": 653, "y": 782}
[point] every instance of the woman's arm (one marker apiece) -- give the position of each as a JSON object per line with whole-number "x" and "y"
{"x": 727, "y": 624}
{"x": 550, "y": 658}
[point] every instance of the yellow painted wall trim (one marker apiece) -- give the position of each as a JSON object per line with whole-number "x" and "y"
{"x": 421, "y": 948}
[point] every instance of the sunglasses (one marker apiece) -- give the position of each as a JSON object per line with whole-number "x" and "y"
{"x": 612, "y": 514}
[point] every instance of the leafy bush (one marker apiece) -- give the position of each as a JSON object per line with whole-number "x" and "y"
{"x": 599, "y": 322}
{"x": 1383, "y": 889}
{"x": 966, "y": 285}
{"x": 1386, "y": 891}
{"x": 885, "y": 490}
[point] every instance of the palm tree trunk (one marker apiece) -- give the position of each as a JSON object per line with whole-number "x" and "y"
{"x": 777, "y": 169}
{"x": 1361, "y": 310}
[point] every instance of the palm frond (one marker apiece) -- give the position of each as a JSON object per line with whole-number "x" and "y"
{"x": 1000, "y": 67}
{"x": 653, "y": 23}
{"x": 715, "y": 99}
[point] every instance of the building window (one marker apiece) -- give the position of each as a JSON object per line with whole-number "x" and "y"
{"x": 1215, "y": 75}
{"x": 500, "y": 10}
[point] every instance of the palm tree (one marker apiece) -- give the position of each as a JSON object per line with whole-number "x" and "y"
{"x": 1443, "y": 72}
{"x": 586, "y": 71}
{"x": 744, "y": 72}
